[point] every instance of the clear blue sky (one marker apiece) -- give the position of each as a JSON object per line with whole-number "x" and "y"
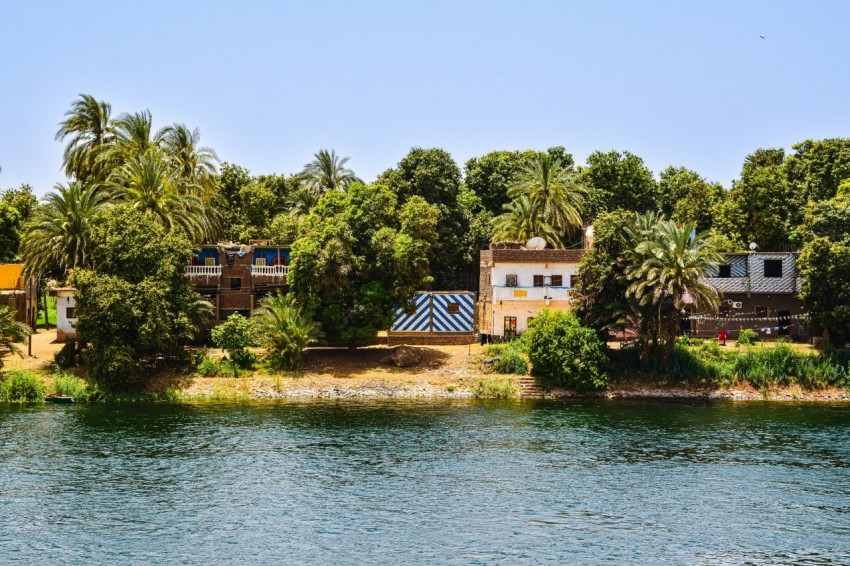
{"x": 270, "y": 83}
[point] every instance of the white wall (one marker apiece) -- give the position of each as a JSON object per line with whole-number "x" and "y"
{"x": 526, "y": 271}
{"x": 64, "y": 323}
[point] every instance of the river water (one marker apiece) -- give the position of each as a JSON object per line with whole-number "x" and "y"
{"x": 619, "y": 482}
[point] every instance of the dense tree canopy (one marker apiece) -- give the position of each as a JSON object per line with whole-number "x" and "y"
{"x": 360, "y": 255}
{"x": 617, "y": 180}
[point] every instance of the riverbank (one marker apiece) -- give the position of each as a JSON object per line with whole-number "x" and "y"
{"x": 436, "y": 372}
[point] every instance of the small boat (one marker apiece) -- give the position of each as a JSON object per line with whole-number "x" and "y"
{"x": 58, "y": 398}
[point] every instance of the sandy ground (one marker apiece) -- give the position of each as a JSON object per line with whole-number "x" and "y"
{"x": 444, "y": 371}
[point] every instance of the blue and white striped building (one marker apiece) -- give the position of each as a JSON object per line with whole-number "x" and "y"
{"x": 436, "y": 317}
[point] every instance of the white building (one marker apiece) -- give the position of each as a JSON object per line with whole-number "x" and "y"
{"x": 66, "y": 312}
{"x": 516, "y": 283}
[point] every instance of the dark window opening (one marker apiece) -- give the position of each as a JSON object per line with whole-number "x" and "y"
{"x": 724, "y": 312}
{"x": 453, "y": 308}
{"x": 761, "y": 312}
{"x": 557, "y": 280}
{"x": 724, "y": 271}
{"x": 236, "y": 283}
{"x": 538, "y": 280}
{"x": 573, "y": 280}
{"x": 773, "y": 268}
{"x": 71, "y": 312}
{"x": 784, "y": 319}
{"x": 511, "y": 280}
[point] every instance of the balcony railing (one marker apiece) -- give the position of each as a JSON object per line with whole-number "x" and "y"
{"x": 501, "y": 293}
{"x": 270, "y": 270}
{"x": 203, "y": 270}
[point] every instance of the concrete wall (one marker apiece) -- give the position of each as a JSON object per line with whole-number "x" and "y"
{"x": 64, "y": 325}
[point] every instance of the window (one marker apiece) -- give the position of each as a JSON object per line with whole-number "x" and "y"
{"x": 511, "y": 280}
{"x": 538, "y": 280}
{"x": 724, "y": 312}
{"x": 528, "y": 322}
{"x": 724, "y": 271}
{"x": 773, "y": 268}
{"x": 784, "y": 319}
{"x": 236, "y": 283}
{"x": 452, "y": 308}
{"x": 209, "y": 261}
{"x": 761, "y": 312}
{"x": 261, "y": 261}
{"x": 71, "y": 312}
{"x": 573, "y": 280}
{"x": 557, "y": 280}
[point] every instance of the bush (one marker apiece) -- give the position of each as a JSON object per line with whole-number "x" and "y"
{"x": 511, "y": 357}
{"x": 746, "y": 337}
{"x": 208, "y": 368}
{"x": 495, "y": 388}
{"x": 234, "y": 336}
{"x": 69, "y": 384}
{"x": 67, "y": 356}
{"x": 284, "y": 328}
{"x": 566, "y": 352}
{"x": 21, "y": 387}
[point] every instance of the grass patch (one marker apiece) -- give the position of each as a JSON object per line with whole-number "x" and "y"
{"x": 495, "y": 388}
{"x": 21, "y": 387}
{"x": 512, "y": 358}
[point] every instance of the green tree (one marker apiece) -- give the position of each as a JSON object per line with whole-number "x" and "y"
{"x": 433, "y": 175}
{"x": 817, "y": 168}
{"x": 553, "y": 195}
{"x": 359, "y": 256}
{"x": 134, "y": 306}
{"x": 10, "y": 236}
{"x": 616, "y": 180}
{"x": 58, "y": 236}
{"x": 327, "y": 172}
{"x": 824, "y": 265}
{"x": 88, "y": 125}
{"x": 684, "y": 196}
{"x": 22, "y": 199}
{"x": 248, "y": 204}
{"x": 192, "y": 162}
{"x": 11, "y": 331}
{"x": 234, "y": 336}
{"x": 522, "y": 221}
{"x": 150, "y": 185}
{"x": 665, "y": 267}
{"x": 284, "y": 328}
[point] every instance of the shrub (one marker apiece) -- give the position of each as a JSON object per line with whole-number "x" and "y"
{"x": 511, "y": 357}
{"x": 234, "y": 336}
{"x": 66, "y": 357}
{"x": 21, "y": 387}
{"x": 746, "y": 337}
{"x": 566, "y": 352}
{"x": 285, "y": 329}
{"x": 208, "y": 368}
{"x": 495, "y": 388}
{"x": 69, "y": 384}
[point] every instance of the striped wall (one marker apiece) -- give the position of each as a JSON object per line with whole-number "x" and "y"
{"x": 432, "y": 314}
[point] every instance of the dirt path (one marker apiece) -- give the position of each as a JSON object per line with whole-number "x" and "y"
{"x": 44, "y": 346}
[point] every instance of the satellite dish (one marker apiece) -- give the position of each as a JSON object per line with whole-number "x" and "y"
{"x": 536, "y": 243}
{"x": 753, "y": 246}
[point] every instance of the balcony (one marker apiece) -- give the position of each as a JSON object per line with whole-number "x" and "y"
{"x": 203, "y": 271}
{"x": 277, "y": 273}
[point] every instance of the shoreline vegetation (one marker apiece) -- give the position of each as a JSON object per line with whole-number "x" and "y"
{"x": 373, "y": 373}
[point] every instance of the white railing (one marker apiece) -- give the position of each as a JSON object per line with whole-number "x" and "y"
{"x": 501, "y": 293}
{"x": 203, "y": 270}
{"x": 270, "y": 270}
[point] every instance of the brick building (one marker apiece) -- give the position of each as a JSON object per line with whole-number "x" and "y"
{"x": 233, "y": 277}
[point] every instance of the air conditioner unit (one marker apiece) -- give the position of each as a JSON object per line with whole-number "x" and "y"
{"x": 511, "y": 280}
{"x": 737, "y": 305}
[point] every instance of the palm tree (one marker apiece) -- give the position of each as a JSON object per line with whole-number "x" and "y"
{"x": 284, "y": 329}
{"x": 11, "y": 331}
{"x": 668, "y": 264}
{"x": 327, "y": 172}
{"x": 552, "y": 191}
{"x": 193, "y": 162}
{"x": 302, "y": 201}
{"x": 133, "y": 136}
{"x": 88, "y": 125}
{"x": 58, "y": 235}
{"x": 149, "y": 184}
{"x": 522, "y": 221}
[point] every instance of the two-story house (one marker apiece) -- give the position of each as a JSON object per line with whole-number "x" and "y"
{"x": 759, "y": 291}
{"x": 516, "y": 283}
{"x": 235, "y": 276}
